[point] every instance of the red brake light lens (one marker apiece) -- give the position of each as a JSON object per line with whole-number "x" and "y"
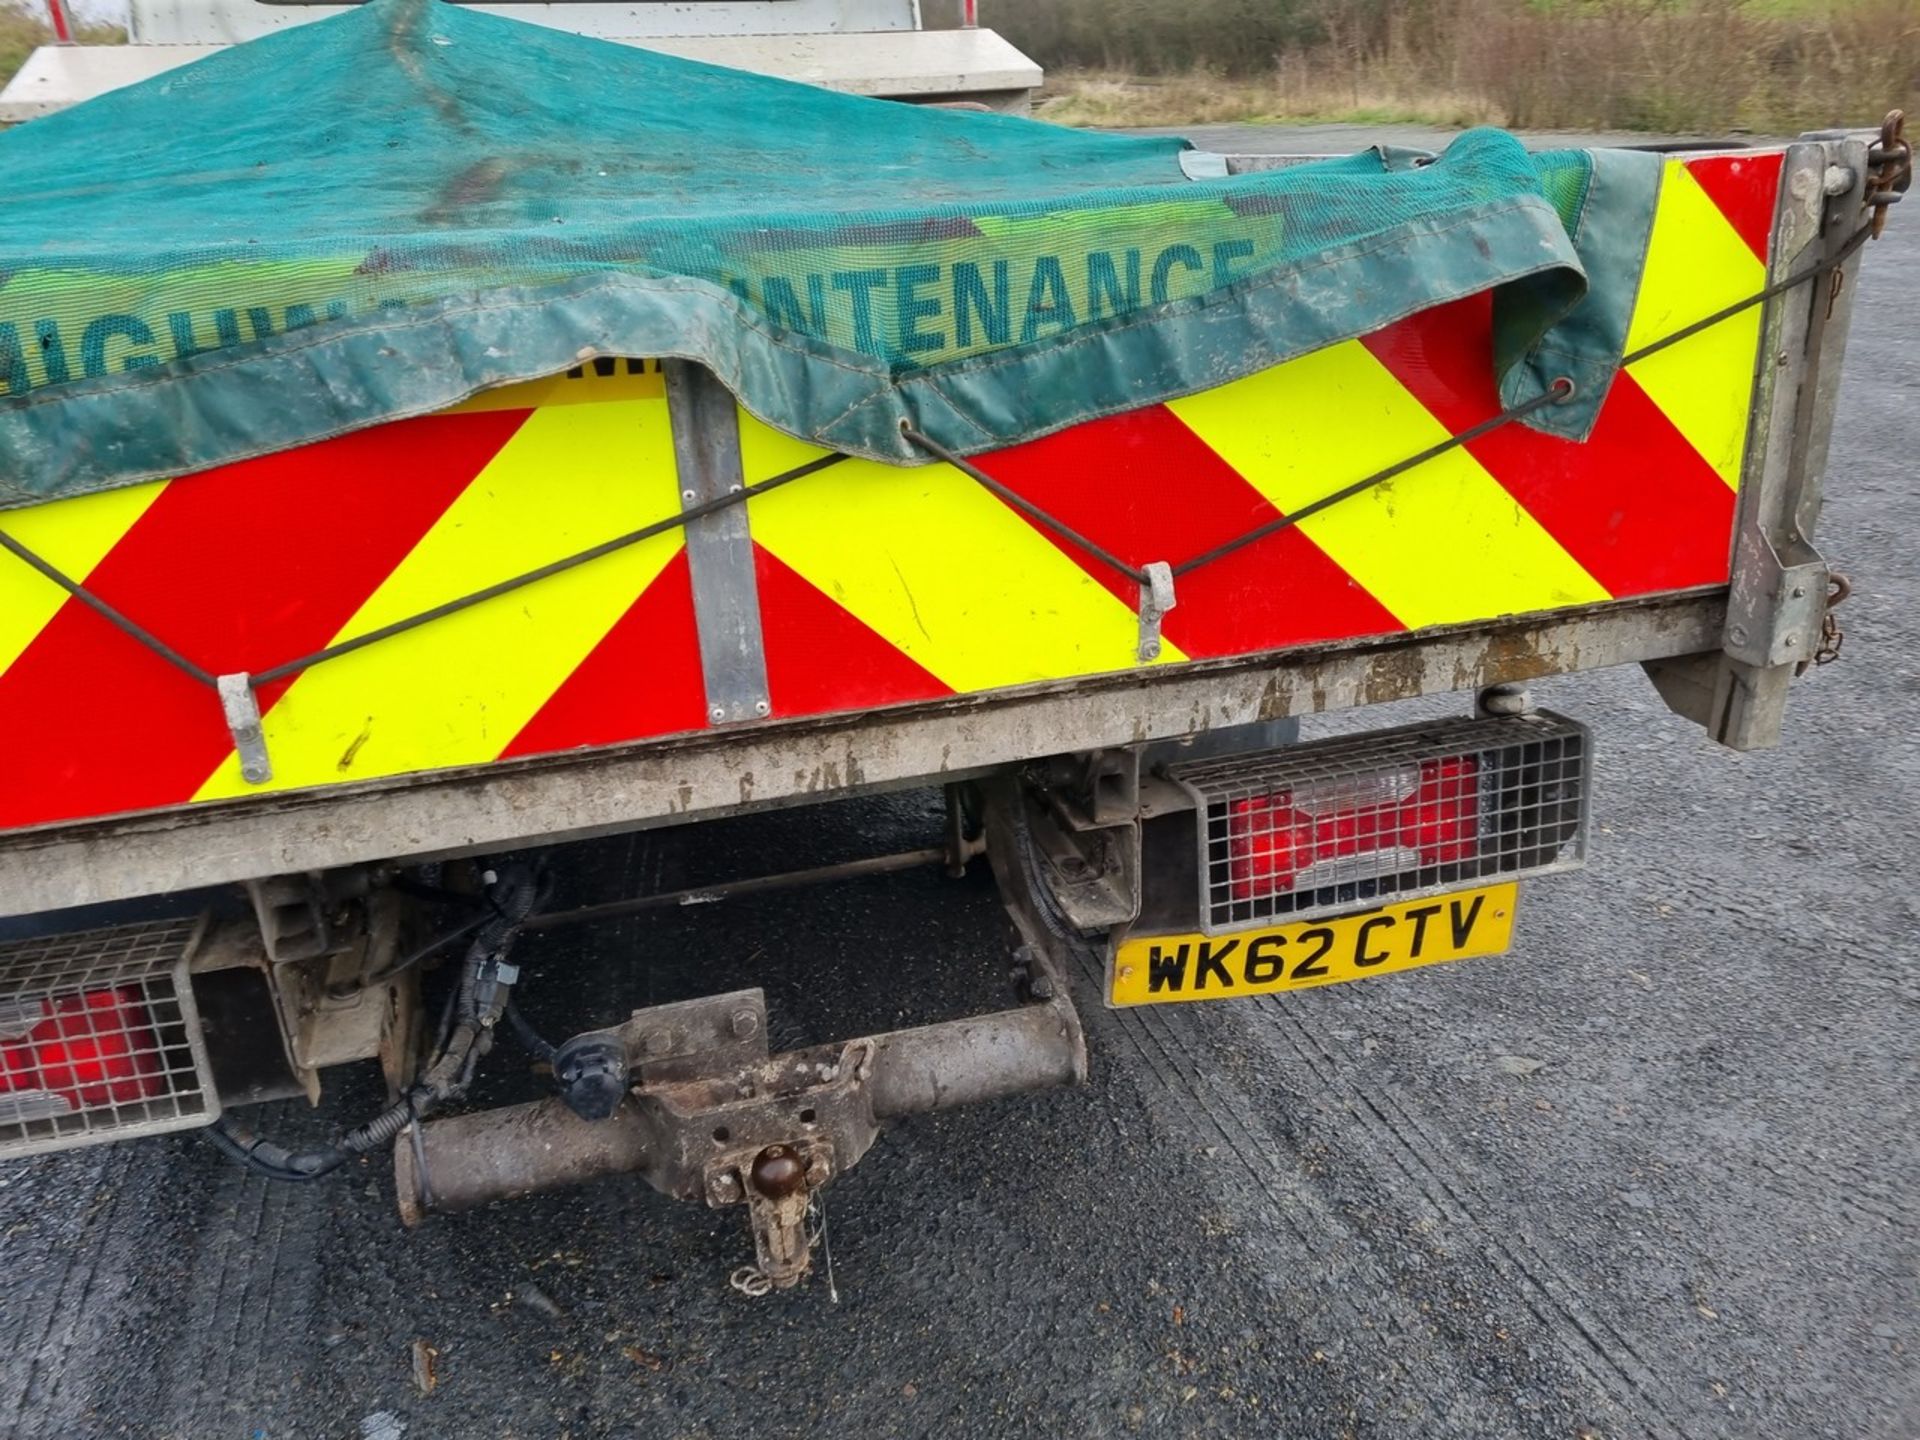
{"x": 1388, "y": 822}
{"x": 90, "y": 1050}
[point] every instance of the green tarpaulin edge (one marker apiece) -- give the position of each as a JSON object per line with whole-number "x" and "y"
{"x": 1610, "y": 237}
{"x": 344, "y": 375}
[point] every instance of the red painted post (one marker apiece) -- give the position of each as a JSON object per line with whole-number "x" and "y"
{"x": 62, "y": 26}
{"x": 969, "y": 13}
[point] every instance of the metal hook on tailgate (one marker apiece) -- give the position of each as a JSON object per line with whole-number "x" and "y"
{"x": 1889, "y": 168}
{"x": 241, "y": 708}
{"x": 1156, "y": 599}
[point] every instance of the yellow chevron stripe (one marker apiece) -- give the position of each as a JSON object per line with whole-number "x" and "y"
{"x": 457, "y": 691}
{"x": 589, "y": 387}
{"x": 939, "y": 568}
{"x": 71, "y": 535}
{"x": 1443, "y": 543}
{"x": 1697, "y": 264}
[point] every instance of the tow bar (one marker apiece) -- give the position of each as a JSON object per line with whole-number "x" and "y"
{"x": 694, "y": 1103}
{"x": 687, "y": 1095}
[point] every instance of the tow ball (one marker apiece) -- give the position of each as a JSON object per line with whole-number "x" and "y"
{"x": 687, "y": 1096}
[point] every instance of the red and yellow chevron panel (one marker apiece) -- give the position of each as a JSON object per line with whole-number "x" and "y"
{"x": 877, "y": 585}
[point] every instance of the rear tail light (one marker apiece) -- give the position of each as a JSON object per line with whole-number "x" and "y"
{"x": 99, "y": 1038}
{"x": 1327, "y": 826}
{"x": 92, "y": 1049}
{"x": 1317, "y": 834}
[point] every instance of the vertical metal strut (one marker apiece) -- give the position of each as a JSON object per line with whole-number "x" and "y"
{"x": 726, "y": 597}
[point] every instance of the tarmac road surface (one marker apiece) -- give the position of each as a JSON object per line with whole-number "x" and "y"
{"x": 1651, "y": 1175}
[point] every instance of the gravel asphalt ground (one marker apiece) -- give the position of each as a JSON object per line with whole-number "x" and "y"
{"x": 1651, "y": 1175}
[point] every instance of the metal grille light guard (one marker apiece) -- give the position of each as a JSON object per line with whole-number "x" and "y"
{"x": 1345, "y": 823}
{"x": 99, "y": 1038}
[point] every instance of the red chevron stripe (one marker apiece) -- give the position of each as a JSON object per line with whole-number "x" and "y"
{"x": 1634, "y": 504}
{"x": 231, "y": 568}
{"x": 642, "y": 679}
{"x": 1146, "y": 488}
{"x": 1747, "y": 190}
{"x": 820, "y": 658}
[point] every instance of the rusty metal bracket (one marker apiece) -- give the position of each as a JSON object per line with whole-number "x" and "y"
{"x": 693, "y": 1039}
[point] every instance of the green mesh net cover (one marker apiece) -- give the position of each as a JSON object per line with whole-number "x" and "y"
{"x": 379, "y": 214}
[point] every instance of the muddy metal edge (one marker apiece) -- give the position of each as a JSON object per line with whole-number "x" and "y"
{"x": 775, "y": 763}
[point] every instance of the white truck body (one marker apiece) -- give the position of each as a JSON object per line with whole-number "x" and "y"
{"x": 865, "y": 47}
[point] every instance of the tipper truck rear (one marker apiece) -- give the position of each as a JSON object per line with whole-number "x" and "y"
{"x": 507, "y": 437}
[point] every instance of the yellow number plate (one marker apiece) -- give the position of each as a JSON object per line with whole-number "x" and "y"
{"x": 1164, "y": 969}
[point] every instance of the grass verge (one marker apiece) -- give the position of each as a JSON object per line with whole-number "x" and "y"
{"x": 22, "y": 31}
{"x": 1693, "y": 66}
